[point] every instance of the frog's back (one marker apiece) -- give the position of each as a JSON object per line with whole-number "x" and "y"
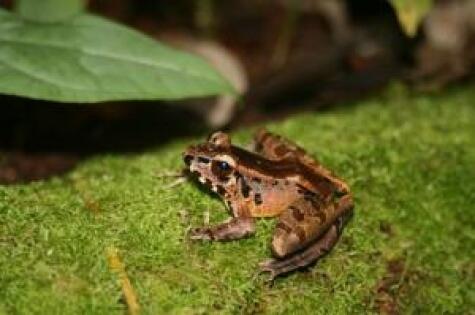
{"x": 300, "y": 169}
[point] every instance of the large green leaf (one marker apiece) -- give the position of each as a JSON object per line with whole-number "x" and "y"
{"x": 49, "y": 11}
{"x": 89, "y": 59}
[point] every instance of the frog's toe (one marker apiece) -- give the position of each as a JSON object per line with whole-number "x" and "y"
{"x": 277, "y": 267}
{"x": 201, "y": 234}
{"x": 269, "y": 266}
{"x": 264, "y": 265}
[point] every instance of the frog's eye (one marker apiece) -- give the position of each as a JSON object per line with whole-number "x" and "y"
{"x": 224, "y": 166}
{"x": 221, "y": 168}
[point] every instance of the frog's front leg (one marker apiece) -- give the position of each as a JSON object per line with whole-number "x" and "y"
{"x": 305, "y": 233}
{"x": 233, "y": 229}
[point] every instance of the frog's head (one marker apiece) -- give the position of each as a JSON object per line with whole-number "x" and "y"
{"x": 213, "y": 162}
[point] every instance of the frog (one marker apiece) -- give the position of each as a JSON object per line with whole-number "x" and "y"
{"x": 274, "y": 177}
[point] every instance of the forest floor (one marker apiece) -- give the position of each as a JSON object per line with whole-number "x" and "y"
{"x": 109, "y": 236}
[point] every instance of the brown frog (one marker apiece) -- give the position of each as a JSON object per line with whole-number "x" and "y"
{"x": 277, "y": 179}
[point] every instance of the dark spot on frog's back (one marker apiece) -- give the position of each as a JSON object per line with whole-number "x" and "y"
{"x": 258, "y": 199}
{"x": 245, "y": 189}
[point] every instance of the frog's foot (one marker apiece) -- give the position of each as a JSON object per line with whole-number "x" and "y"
{"x": 266, "y": 266}
{"x": 201, "y": 233}
{"x": 233, "y": 229}
{"x": 303, "y": 258}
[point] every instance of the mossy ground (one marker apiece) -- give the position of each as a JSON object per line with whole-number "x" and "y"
{"x": 410, "y": 161}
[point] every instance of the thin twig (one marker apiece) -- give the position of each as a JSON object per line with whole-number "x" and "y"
{"x": 116, "y": 265}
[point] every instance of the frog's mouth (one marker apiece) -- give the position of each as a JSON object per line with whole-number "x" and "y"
{"x": 208, "y": 183}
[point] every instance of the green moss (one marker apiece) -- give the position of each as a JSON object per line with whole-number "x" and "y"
{"x": 410, "y": 161}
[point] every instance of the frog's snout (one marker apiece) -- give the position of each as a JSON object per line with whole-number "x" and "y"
{"x": 189, "y": 155}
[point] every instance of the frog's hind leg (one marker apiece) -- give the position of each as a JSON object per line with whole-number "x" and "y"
{"x": 275, "y": 147}
{"x": 305, "y": 234}
{"x": 304, "y": 258}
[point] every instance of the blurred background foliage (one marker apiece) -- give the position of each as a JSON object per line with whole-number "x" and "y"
{"x": 52, "y": 50}
{"x": 238, "y": 62}
{"x": 411, "y": 13}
